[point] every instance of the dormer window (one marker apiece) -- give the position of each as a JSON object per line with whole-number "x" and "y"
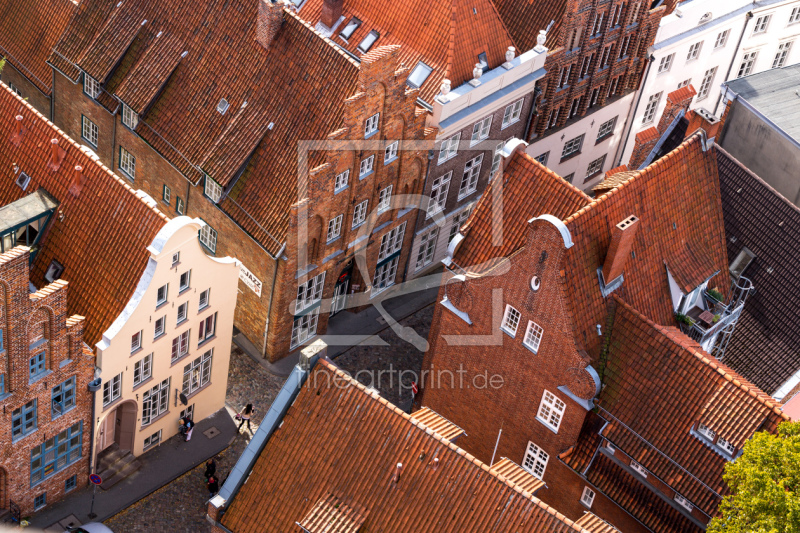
{"x": 639, "y": 469}
{"x": 726, "y": 446}
{"x": 212, "y": 190}
{"x": 368, "y": 41}
{"x": 683, "y": 502}
{"x": 706, "y": 432}
{"x": 742, "y": 261}
{"x": 129, "y": 117}
{"x": 483, "y": 62}
{"x": 419, "y": 75}
{"x": 350, "y": 28}
{"x": 91, "y": 86}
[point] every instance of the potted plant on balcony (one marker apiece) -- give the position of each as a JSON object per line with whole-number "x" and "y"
{"x": 684, "y": 319}
{"x": 716, "y": 294}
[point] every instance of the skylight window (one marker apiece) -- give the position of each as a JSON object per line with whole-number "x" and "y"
{"x": 483, "y": 61}
{"x": 223, "y": 106}
{"x": 368, "y": 41}
{"x": 419, "y": 75}
{"x": 350, "y": 29}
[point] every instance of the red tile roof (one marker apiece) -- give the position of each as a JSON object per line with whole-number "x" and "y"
{"x": 525, "y": 18}
{"x": 447, "y": 35}
{"x": 593, "y": 524}
{"x": 28, "y": 32}
{"x": 339, "y": 441}
{"x": 100, "y": 236}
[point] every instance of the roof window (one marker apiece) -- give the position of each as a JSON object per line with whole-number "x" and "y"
{"x": 54, "y": 271}
{"x": 419, "y": 75}
{"x": 484, "y": 62}
{"x": 368, "y": 41}
{"x": 223, "y": 106}
{"x": 23, "y": 180}
{"x": 350, "y": 29}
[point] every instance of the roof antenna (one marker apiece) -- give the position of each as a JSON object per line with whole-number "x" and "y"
{"x": 496, "y": 444}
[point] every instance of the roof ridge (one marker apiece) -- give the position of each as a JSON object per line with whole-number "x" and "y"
{"x": 556, "y": 177}
{"x": 327, "y": 40}
{"x": 331, "y": 366}
{"x": 722, "y": 369}
{"x": 86, "y": 157}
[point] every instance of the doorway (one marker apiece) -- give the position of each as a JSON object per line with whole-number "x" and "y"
{"x": 118, "y": 427}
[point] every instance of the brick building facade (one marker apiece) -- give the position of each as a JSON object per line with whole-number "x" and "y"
{"x": 46, "y": 369}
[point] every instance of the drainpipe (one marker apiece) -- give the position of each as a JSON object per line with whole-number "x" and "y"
{"x": 747, "y": 18}
{"x": 431, "y": 154}
{"x": 537, "y": 92}
{"x": 113, "y": 140}
{"x": 53, "y": 97}
{"x": 271, "y": 297}
{"x": 632, "y": 112}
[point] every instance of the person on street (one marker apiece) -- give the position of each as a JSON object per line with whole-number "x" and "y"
{"x": 211, "y": 468}
{"x": 245, "y": 415}
{"x": 187, "y": 426}
{"x": 213, "y": 486}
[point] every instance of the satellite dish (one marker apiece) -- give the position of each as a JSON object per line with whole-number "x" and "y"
{"x": 183, "y": 398}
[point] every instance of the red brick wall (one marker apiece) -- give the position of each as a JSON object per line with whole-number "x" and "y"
{"x": 23, "y": 317}
{"x": 30, "y": 92}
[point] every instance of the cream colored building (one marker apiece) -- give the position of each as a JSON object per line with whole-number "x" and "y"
{"x": 173, "y": 338}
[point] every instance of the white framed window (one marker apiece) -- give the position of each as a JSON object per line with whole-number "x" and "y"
{"x": 136, "y": 341}
{"x": 390, "y": 153}
{"x": 449, "y": 148}
{"x": 563, "y": 76}
{"x": 623, "y": 50}
{"x": 542, "y": 158}
{"x": 694, "y": 51}
{"x": 427, "y": 247}
{"x": 684, "y": 83}
{"x": 587, "y": 498}
{"x": 183, "y": 310}
{"x": 780, "y": 57}
{"x": 160, "y": 326}
{"x": 650, "y": 109}
{"x": 89, "y": 131}
{"x": 595, "y": 167}
{"x": 598, "y": 23}
{"x": 480, "y": 130}
{"x": 683, "y": 502}
{"x": 340, "y": 182}
{"x": 706, "y": 432}
{"x": 142, "y": 369}
{"x": 722, "y": 39}
{"x": 208, "y": 236}
{"x": 568, "y": 177}
{"x": 152, "y": 440}
{"x": 551, "y": 410}
{"x": 309, "y": 293}
{"x": 127, "y": 163}
{"x": 368, "y": 41}
{"x": 112, "y": 389}
{"x": 161, "y": 294}
{"x": 726, "y": 446}
{"x": 155, "y": 402}
{"x": 666, "y": 63}
{"x": 575, "y": 107}
{"x": 180, "y": 345}
{"x": 205, "y": 298}
{"x": 91, "y": 86}
{"x": 197, "y": 374}
{"x": 746, "y": 68}
{"x": 185, "y": 279}
{"x": 572, "y": 146}
{"x": 639, "y": 469}
{"x": 179, "y": 205}
{"x": 360, "y": 213}
{"x": 438, "y": 197}
{"x": 391, "y": 241}
{"x": 419, "y": 75}
{"x": 606, "y": 128}
{"x": 166, "y": 195}
{"x": 176, "y": 258}
{"x": 129, "y": 118}
{"x": 305, "y": 327}
{"x": 371, "y": 124}
{"x": 535, "y": 460}
{"x": 511, "y": 114}
{"x": 458, "y": 221}
{"x": 14, "y": 89}
{"x": 761, "y": 24}
{"x": 795, "y": 16}
{"x": 497, "y": 157}
{"x": 385, "y": 199}
{"x": 469, "y": 182}
{"x": 705, "y": 85}
{"x": 552, "y": 120}
{"x": 212, "y": 189}
{"x": 533, "y": 336}
{"x": 366, "y": 166}
{"x": 510, "y": 321}
{"x": 384, "y": 276}
{"x": 334, "y": 227}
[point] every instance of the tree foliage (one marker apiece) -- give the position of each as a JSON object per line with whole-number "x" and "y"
{"x": 764, "y": 481}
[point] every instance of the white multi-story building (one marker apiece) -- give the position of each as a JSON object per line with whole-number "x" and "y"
{"x": 705, "y": 43}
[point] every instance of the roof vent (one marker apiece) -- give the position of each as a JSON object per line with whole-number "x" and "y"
{"x": 270, "y": 126}
{"x": 223, "y": 106}
{"x": 705, "y": 18}
{"x": 184, "y": 54}
{"x": 159, "y": 34}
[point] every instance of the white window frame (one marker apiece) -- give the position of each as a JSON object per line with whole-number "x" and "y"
{"x": 112, "y": 389}
{"x": 458, "y": 221}
{"x": 572, "y": 146}
{"x": 143, "y": 369}
{"x": 480, "y": 130}
{"x": 639, "y": 469}
{"x": 596, "y": 167}
{"x": 390, "y": 153}
{"x": 212, "y": 189}
{"x": 385, "y": 199}
{"x": 606, "y": 128}
{"x": 705, "y": 85}
{"x": 360, "y": 213}
{"x": 91, "y": 87}
{"x": 683, "y": 502}
{"x": 166, "y": 194}
{"x": 183, "y": 312}
{"x": 469, "y": 181}
{"x": 497, "y": 157}
{"x": 542, "y": 158}
{"x": 725, "y": 446}
{"x": 587, "y": 498}
{"x": 391, "y": 241}
{"x": 136, "y": 341}
{"x": 185, "y": 281}
{"x": 535, "y": 460}
{"x": 181, "y": 343}
{"x": 694, "y": 51}
{"x": 129, "y": 118}
{"x": 684, "y": 83}
{"x": 371, "y": 125}
{"x": 309, "y": 293}
{"x": 335, "y": 227}
{"x": 666, "y": 63}
{"x": 783, "y": 52}
{"x": 794, "y": 17}
{"x": 305, "y": 327}
{"x": 438, "y": 196}
{"x": 449, "y": 148}
{"x": 155, "y": 402}
{"x": 747, "y": 64}
{"x": 651, "y": 108}
{"x": 551, "y": 410}
{"x": 127, "y": 163}
{"x": 427, "y": 249}
{"x": 385, "y": 275}
{"x": 762, "y": 23}
{"x": 512, "y": 114}
{"x": 205, "y": 299}
{"x": 208, "y": 236}
{"x": 160, "y": 327}
{"x": 511, "y": 320}
{"x": 706, "y": 432}
{"x": 533, "y": 336}
{"x": 163, "y": 300}
{"x": 89, "y": 131}
{"x": 366, "y": 167}
{"x": 197, "y": 373}
{"x": 341, "y": 180}
{"x": 722, "y": 39}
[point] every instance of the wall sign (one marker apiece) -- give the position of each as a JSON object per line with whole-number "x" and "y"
{"x": 250, "y": 279}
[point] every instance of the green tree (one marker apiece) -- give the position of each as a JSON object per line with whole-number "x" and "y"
{"x": 764, "y": 482}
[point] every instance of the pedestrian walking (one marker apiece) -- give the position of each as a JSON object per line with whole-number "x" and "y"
{"x": 211, "y": 468}
{"x": 187, "y": 426}
{"x": 213, "y": 486}
{"x": 245, "y": 415}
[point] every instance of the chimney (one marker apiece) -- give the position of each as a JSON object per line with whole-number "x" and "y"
{"x": 77, "y": 182}
{"x": 57, "y": 155}
{"x": 270, "y": 19}
{"x": 19, "y": 131}
{"x": 396, "y": 476}
{"x": 331, "y": 12}
{"x": 620, "y": 248}
{"x": 702, "y": 119}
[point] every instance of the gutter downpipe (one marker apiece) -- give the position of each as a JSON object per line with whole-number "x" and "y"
{"x": 537, "y": 92}
{"x": 632, "y": 112}
{"x": 431, "y": 155}
{"x": 271, "y": 296}
{"x": 747, "y": 18}
{"x": 53, "y": 97}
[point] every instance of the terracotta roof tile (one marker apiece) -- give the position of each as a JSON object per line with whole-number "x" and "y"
{"x": 525, "y": 18}
{"x": 342, "y": 440}
{"x": 613, "y": 179}
{"x": 111, "y": 42}
{"x": 151, "y": 72}
{"x": 100, "y": 236}
{"x": 594, "y": 524}
{"x": 28, "y": 32}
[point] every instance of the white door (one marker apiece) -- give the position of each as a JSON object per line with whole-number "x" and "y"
{"x": 339, "y": 297}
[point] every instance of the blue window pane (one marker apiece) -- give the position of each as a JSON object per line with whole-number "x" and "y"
{"x": 56, "y": 453}
{"x": 37, "y": 364}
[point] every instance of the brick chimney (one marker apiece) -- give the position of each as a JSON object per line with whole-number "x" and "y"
{"x": 77, "y": 182}
{"x": 702, "y": 119}
{"x": 19, "y": 131}
{"x": 57, "y": 155}
{"x": 620, "y": 248}
{"x": 270, "y": 19}
{"x": 331, "y": 12}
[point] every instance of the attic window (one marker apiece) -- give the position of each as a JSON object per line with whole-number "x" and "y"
{"x": 419, "y": 75}
{"x": 223, "y": 106}
{"x": 350, "y": 29}
{"x": 484, "y": 62}
{"x": 742, "y": 261}
{"x": 54, "y": 271}
{"x": 368, "y": 41}
{"x": 23, "y": 180}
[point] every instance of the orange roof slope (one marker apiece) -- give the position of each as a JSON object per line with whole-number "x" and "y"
{"x": 658, "y": 385}
{"x": 28, "y": 32}
{"x": 525, "y": 18}
{"x": 447, "y": 35}
{"x": 338, "y": 441}
{"x": 185, "y": 60}
{"x": 100, "y": 236}
{"x": 526, "y": 189}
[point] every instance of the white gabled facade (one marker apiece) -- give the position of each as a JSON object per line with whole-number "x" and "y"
{"x": 705, "y": 43}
